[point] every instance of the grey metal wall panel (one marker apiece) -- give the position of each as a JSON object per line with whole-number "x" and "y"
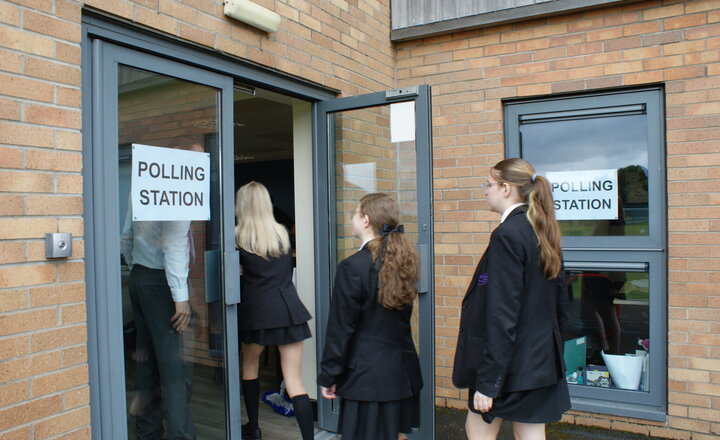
{"x": 404, "y": 12}
{"x": 422, "y": 18}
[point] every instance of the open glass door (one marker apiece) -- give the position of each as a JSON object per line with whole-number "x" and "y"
{"x": 163, "y": 235}
{"x": 379, "y": 142}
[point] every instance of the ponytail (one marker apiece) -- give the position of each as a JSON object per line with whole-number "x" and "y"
{"x": 398, "y": 270}
{"x": 535, "y": 190}
{"x": 541, "y": 214}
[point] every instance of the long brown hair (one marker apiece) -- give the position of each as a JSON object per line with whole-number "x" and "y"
{"x": 535, "y": 191}
{"x": 399, "y": 269}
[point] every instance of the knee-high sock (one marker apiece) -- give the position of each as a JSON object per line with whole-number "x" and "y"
{"x": 304, "y": 415}
{"x": 251, "y": 396}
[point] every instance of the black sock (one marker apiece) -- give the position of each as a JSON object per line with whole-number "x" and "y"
{"x": 251, "y": 396}
{"x": 304, "y": 415}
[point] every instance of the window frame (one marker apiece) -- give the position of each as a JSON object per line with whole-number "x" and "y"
{"x": 622, "y": 253}
{"x": 610, "y": 102}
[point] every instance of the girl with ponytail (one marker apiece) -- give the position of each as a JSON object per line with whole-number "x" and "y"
{"x": 509, "y": 351}
{"x": 369, "y": 357}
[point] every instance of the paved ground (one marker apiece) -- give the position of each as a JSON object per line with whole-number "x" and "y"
{"x": 449, "y": 425}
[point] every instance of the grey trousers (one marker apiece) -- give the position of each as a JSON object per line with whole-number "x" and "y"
{"x": 164, "y": 378}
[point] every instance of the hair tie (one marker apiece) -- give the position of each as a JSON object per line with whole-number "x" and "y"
{"x": 384, "y": 232}
{"x": 534, "y": 176}
{"x": 387, "y": 229}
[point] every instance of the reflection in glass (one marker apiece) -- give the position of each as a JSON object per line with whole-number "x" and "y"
{"x": 367, "y": 160}
{"x": 174, "y": 379}
{"x": 608, "y": 313}
{"x": 611, "y": 142}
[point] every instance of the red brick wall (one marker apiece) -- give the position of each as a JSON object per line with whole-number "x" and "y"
{"x": 43, "y": 371}
{"x": 676, "y": 43}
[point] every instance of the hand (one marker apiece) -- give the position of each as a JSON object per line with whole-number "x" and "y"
{"x": 482, "y": 402}
{"x": 328, "y": 393}
{"x": 181, "y": 319}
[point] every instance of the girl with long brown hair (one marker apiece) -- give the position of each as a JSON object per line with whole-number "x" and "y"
{"x": 509, "y": 351}
{"x": 369, "y": 358}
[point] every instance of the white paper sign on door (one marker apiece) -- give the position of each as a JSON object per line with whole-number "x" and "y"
{"x": 169, "y": 184}
{"x": 585, "y": 195}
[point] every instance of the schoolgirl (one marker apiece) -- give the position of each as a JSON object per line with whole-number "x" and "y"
{"x": 369, "y": 357}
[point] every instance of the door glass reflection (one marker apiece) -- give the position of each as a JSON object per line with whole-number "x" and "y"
{"x": 367, "y": 160}
{"x": 172, "y": 310}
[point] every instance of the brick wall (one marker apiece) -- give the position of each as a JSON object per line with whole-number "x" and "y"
{"x": 676, "y": 43}
{"x": 43, "y": 370}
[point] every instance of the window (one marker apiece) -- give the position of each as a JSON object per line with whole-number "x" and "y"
{"x": 604, "y": 156}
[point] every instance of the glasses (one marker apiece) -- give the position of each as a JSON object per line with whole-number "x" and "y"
{"x": 488, "y": 185}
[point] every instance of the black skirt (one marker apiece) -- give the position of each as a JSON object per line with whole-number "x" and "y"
{"x": 277, "y": 336}
{"x": 541, "y": 405}
{"x": 361, "y": 420}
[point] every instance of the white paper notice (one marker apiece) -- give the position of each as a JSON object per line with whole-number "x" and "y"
{"x": 402, "y": 121}
{"x": 585, "y": 195}
{"x": 169, "y": 184}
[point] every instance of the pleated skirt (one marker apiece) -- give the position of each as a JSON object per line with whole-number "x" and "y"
{"x": 540, "y": 405}
{"x": 277, "y": 336}
{"x": 361, "y": 420}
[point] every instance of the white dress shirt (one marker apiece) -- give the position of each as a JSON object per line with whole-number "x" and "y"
{"x": 159, "y": 245}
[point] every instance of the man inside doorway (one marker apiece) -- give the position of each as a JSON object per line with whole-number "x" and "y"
{"x": 158, "y": 254}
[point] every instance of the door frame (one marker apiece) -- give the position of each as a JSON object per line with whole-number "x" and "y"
{"x": 324, "y": 170}
{"x": 106, "y": 375}
{"x": 107, "y": 363}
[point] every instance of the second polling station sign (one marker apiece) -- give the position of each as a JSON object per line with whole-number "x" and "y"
{"x": 169, "y": 184}
{"x": 585, "y": 195}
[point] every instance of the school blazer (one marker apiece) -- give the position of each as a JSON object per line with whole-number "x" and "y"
{"x": 510, "y": 337}
{"x": 268, "y": 296}
{"x": 369, "y": 352}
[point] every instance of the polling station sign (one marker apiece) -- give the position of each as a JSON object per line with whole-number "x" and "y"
{"x": 585, "y": 195}
{"x": 169, "y": 184}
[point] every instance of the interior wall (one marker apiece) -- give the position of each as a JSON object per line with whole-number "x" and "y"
{"x": 304, "y": 236}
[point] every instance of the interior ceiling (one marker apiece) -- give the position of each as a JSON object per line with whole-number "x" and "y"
{"x": 263, "y": 129}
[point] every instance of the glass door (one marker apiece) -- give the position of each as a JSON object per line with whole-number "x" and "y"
{"x": 162, "y": 158}
{"x": 377, "y": 143}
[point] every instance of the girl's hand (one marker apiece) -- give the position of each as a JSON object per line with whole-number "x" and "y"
{"x": 328, "y": 393}
{"x": 482, "y": 402}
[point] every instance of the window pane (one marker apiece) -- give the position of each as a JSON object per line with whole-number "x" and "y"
{"x": 597, "y": 143}
{"x": 373, "y": 155}
{"x": 608, "y": 319}
{"x": 174, "y": 380}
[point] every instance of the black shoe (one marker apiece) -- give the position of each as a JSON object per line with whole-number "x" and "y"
{"x": 248, "y": 434}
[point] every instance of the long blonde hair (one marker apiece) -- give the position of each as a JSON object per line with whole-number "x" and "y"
{"x": 399, "y": 269}
{"x": 535, "y": 191}
{"x": 256, "y": 230}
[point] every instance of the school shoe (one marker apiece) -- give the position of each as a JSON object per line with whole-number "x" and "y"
{"x": 248, "y": 434}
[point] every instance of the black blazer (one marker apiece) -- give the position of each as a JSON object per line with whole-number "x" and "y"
{"x": 510, "y": 338}
{"x": 269, "y": 298}
{"x": 369, "y": 352}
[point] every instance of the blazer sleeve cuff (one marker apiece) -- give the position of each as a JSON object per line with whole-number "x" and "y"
{"x": 325, "y": 380}
{"x": 490, "y": 389}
